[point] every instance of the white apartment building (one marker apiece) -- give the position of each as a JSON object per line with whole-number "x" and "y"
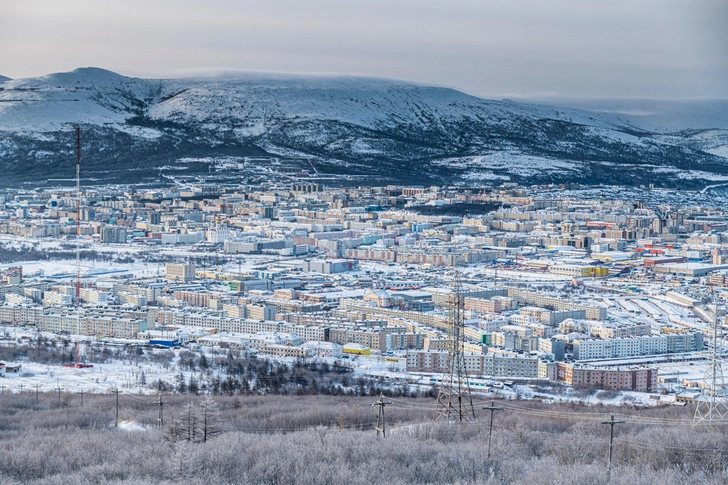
{"x": 179, "y": 272}
{"x": 51, "y": 298}
{"x": 630, "y": 347}
{"x": 89, "y": 295}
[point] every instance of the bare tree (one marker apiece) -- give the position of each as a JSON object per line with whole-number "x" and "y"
{"x": 209, "y": 419}
{"x": 184, "y": 426}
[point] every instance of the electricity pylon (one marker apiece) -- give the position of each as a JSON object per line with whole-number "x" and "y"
{"x": 454, "y": 402}
{"x": 712, "y": 406}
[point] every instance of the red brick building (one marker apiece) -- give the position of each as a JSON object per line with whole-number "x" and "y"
{"x": 637, "y": 378}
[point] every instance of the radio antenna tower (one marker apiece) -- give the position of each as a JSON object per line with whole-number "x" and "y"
{"x": 454, "y": 402}
{"x": 78, "y": 216}
{"x": 712, "y": 406}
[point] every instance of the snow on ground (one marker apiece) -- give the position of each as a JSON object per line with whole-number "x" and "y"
{"x": 607, "y": 398}
{"x": 100, "y": 379}
{"x": 131, "y": 426}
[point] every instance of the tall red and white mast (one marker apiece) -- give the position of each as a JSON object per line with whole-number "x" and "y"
{"x": 78, "y": 216}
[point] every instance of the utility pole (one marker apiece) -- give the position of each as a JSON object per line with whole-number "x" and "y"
{"x": 492, "y": 409}
{"x": 81, "y": 393}
{"x": 160, "y": 419}
{"x": 117, "y": 407}
{"x": 381, "y": 426}
{"x": 36, "y": 391}
{"x": 59, "y": 395}
{"x": 611, "y": 424}
{"x": 21, "y": 386}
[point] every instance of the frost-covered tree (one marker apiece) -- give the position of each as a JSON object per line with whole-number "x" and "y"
{"x": 209, "y": 419}
{"x": 184, "y": 426}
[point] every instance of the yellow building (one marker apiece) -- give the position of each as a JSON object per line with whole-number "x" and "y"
{"x": 577, "y": 271}
{"x": 356, "y": 349}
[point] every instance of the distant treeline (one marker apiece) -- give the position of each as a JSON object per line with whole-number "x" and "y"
{"x": 226, "y": 371}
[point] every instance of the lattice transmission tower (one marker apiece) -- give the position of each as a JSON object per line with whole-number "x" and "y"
{"x": 454, "y": 402}
{"x": 713, "y": 403}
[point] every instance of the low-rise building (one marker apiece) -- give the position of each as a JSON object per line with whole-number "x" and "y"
{"x": 324, "y": 349}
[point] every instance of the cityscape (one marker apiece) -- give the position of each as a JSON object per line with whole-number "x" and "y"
{"x": 405, "y": 242}
{"x": 559, "y": 284}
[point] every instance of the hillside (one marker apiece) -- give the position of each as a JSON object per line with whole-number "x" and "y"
{"x": 326, "y": 440}
{"x": 233, "y": 128}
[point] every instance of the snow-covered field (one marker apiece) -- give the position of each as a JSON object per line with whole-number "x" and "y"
{"x": 100, "y": 379}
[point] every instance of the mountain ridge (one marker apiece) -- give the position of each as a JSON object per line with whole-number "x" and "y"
{"x": 389, "y": 130}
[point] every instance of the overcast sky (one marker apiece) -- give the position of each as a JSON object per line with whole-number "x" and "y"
{"x": 537, "y": 48}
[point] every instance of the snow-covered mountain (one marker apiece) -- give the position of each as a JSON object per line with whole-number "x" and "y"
{"x": 138, "y": 130}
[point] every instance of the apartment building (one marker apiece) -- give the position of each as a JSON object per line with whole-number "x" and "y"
{"x": 429, "y": 319}
{"x": 13, "y": 299}
{"x": 405, "y": 340}
{"x": 179, "y": 272}
{"x": 483, "y": 306}
{"x": 132, "y": 299}
{"x": 193, "y": 298}
{"x": 308, "y": 333}
{"x": 20, "y": 314}
{"x": 532, "y": 298}
{"x": 260, "y": 312}
{"x": 374, "y": 338}
{"x": 151, "y": 293}
{"x": 475, "y": 364}
{"x": 585, "y": 349}
{"x": 642, "y": 379}
{"x": 552, "y": 317}
{"x": 53, "y": 298}
{"x": 90, "y": 295}
{"x": 297, "y": 351}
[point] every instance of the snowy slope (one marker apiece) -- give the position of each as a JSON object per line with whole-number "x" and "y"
{"x": 387, "y": 129}
{"x": 92, "y": 95}
{"x": 87, "y": 95}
